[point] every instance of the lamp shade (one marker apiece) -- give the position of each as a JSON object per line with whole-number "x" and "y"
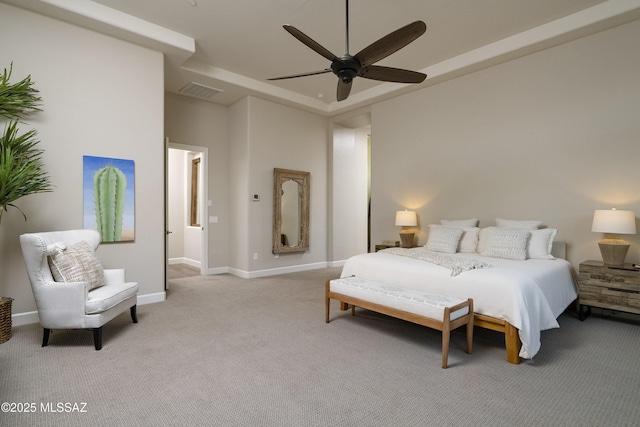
{"x": 614, "y": 221}
{"x": 406, "y": 218}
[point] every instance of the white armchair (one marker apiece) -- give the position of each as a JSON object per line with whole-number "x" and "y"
{"x": 75, "y": 304}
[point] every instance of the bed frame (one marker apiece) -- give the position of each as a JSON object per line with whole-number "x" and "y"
{"x": 511, "y": 337}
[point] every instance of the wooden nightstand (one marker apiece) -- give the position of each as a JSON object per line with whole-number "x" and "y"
{"x": 381, "y": 247}
{"x": 613, "y": 288}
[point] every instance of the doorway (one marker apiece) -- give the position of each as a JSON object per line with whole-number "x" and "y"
{"x": 186, "y": 209}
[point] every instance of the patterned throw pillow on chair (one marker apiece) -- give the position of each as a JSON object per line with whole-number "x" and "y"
{"x": 76, "y": 263}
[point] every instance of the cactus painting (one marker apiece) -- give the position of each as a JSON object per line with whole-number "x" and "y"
{"x": 109, "y": 198}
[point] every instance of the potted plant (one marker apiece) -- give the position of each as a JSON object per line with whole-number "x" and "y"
{"x": 21, "y": 167}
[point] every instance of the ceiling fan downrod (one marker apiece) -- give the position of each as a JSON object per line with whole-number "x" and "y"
{"x": 346, "y": 43}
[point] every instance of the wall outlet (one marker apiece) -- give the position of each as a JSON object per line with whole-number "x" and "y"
{"x": 255, "y": 256}
{"x": 213, "y": 219}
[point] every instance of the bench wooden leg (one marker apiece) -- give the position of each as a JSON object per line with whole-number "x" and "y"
{"x": 470, "y": 328}
{"x": 327, "y": 302}
{"x": 446, "y": 338}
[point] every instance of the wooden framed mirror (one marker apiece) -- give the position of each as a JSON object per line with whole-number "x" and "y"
{"x": 290, "y": 211}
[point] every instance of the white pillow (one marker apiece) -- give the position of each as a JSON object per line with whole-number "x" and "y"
{"x": 473, "y": 222}
{"x": 483, "y": 235}
{"x": 540, "y": 243}
{"x": 469, "y": 240}
{"x": 512, "y": 223}
{"x": 443, "y": 239}
{"x": 507, "y": 243}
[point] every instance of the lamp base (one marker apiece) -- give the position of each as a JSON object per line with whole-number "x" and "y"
{"x": 613, "y": 251}
{"x": 407, "y": 240}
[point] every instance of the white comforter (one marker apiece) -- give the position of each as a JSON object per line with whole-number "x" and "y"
{"x": 529, "y": 294}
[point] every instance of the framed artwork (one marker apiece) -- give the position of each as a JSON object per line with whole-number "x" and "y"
{"x": 109, "y": 198}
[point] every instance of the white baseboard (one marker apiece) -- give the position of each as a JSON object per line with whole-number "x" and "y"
{"x": 188, "y": 261}
{"x": 275, "y": 271}
{"x": 337, "y": 263}
{"x": 30, "y": 317}
{"x": 218, "y": 270}
{"x": 152, "y": 298}
{"x": 27, "y": 318}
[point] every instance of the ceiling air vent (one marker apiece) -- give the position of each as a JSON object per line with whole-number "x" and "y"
{"x": 199, "y": 91}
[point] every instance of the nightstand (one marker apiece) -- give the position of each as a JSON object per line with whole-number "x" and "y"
{"x": 611, "y": 287}
{"x": 385, "y": 246}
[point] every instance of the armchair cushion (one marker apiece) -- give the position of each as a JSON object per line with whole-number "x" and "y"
{"x": 105, "y": 297}
{"x": 75, "y": 263}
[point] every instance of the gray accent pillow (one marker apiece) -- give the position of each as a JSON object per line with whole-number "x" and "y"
{"x": 76, "y": 263}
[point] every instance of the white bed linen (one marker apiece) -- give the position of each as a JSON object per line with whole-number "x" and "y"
{"x": 528, "y": 294}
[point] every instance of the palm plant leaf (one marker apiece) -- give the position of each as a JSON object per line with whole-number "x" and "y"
{"x": 17, "y": 99}
{"x": 21, "y": 166}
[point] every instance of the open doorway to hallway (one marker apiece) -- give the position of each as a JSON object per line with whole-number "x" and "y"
{"x": 351, "y": 188}
{"x": 186, "y": 207}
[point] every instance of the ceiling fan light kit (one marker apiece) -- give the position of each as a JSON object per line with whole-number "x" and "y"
{"x": 347, "y": 67}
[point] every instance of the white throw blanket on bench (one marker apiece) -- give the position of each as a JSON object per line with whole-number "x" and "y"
{"x": 457, "y": 265}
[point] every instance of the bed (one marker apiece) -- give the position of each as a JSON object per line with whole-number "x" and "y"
{"x": 518, "y": 297}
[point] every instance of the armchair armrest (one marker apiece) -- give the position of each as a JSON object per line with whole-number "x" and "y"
{"x": 113, "y": 276}
{"x": 60, "y": 303}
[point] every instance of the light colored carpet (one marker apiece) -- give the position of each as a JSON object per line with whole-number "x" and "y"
{"x": 225, "y": 351}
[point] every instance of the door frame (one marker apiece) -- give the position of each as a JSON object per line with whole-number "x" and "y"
{"x": 204, "y": 262}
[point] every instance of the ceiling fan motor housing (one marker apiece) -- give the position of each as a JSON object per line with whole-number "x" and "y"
{"x": 346, "y": 68}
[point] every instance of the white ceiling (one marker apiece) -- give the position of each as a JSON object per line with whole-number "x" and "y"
{"x": 235, "y": 46}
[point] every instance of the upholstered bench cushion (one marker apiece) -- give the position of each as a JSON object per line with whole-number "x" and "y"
{"x": 105, "y": 297}
{"x": 409, "y": 300}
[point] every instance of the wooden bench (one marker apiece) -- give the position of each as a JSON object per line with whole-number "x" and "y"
{"x": 434, "y": 311}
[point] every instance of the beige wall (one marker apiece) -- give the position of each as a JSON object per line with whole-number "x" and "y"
{"x": 264, "y": 136}
{"x": 101, "y": 97}
{"x": 551, "y": 136}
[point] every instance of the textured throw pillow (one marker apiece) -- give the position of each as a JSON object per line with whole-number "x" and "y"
{"x": 473, "y": 222}
{"x": 513, "y": 223}
{"x": 76, "y": 263}
{"x": 469, "y": 239}
{"x": 443, "y": 239}
{"x": 507, "y": 243}
{"x": 540, "y": 243}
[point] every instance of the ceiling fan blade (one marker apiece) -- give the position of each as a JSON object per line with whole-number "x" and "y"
{"x": 343, "y": 90}
{"x": 391, "y": 43}
{"x": 389, "y": 74}
{"x": 312, "y": 73}
{"x": 310, "y": 42}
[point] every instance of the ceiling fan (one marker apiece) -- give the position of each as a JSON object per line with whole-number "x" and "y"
{"x": 347, "y": 67}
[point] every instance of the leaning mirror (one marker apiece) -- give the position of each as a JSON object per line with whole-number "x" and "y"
{"x": 290, "y": 211}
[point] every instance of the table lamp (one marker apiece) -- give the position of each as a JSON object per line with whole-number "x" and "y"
{"x": 406, "y": 219}
{"x": 613, "y": 249}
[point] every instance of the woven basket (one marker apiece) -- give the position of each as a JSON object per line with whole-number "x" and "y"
{"x": 5, "y": 319}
